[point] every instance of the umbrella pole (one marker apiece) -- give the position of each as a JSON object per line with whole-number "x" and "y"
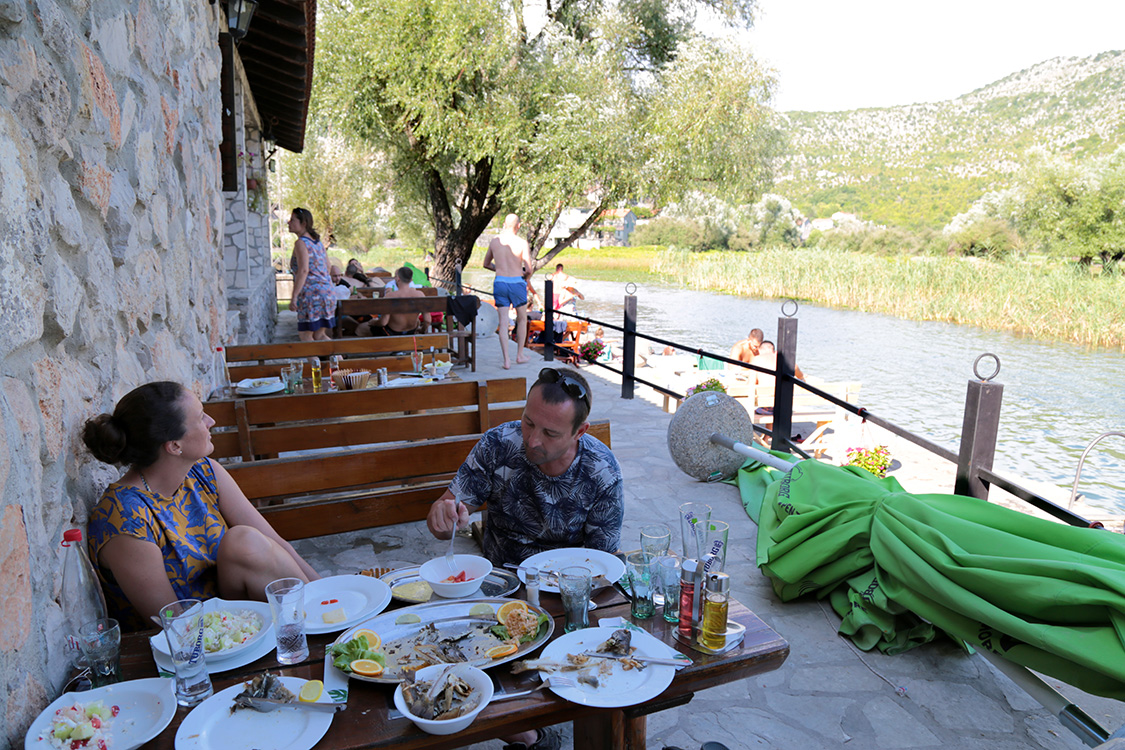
{"x": 760, "y": 456}
{"x": 1071, "y": 716}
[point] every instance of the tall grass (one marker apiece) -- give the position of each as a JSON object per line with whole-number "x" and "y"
{"x": 1044, "y": 300}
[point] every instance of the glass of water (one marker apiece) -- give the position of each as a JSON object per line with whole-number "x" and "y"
{"x": 656, "y": 538}
{"x": 183, "y": 627}
{"x": 575, "y": 585}
{"x": 287, "y": 603}
{"x": 639, "y": 574}
{"x": 100, "y": 641}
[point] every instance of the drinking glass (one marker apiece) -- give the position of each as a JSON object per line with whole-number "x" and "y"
{"x": 285, "y": 381}
{"x": 287, "y": 603}
{"x": 690, "y": 516}
{"x": 667, "y": 571}
{"x": 183, "y": 627}
{"x": 100, "y": 641}
{"x": 416, "y": 361}
{"x": 639, "y": 570}
{"x": 656, "y": 538}
{"x": 575, "y": 585}
{"x": 714, "y": 542}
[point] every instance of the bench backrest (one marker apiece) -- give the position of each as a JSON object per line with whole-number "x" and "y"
{"x": 269, "y": 425}
{"x": 309, "y": 496}
{"x": 392, "y": 352}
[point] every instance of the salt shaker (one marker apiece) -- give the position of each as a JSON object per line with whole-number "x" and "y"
{"x": 532, "y": 585}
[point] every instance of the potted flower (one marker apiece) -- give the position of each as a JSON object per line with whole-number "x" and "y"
{"x": 710, "y": 384}
{"x": 591, "y": 350}
{"x": 875, "y": 460}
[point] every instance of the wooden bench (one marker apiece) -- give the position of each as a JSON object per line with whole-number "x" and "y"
{"x": 391, "y": 352}
{"x": 269, "y": 425}
{"x": 353, "y": 490}
{"x": 462, "y": 339}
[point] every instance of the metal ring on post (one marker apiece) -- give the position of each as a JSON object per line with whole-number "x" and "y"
{"x": 783, "y": 306}
{"x": 976, "y": 363}
{"x": 630, "y": 289}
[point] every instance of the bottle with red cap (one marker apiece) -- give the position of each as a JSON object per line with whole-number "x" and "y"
{"x": 81, "y": 598}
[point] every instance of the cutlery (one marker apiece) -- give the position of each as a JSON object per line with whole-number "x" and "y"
{"x": 266, "y": 705}
{"x": 645, "y": 659}
{"x": 552, "y": 680}
{"x": 449, "y": 560}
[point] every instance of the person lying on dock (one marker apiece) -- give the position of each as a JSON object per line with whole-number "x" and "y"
{"x": 547, "y": 483}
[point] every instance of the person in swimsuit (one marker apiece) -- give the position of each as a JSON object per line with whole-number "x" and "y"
{"x": 398, "y": 323}
{"x": 508, "y": 256}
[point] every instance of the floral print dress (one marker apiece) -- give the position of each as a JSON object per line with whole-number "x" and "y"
{"x": 316, "y": 304}
{"x": 187, "y": 528}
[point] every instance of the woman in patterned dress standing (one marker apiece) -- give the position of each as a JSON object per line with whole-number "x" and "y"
{"x": 312, "y": 286}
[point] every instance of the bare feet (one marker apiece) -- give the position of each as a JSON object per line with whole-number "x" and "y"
{"x": 508, "y": 366}
{"x": 523, "y": 360}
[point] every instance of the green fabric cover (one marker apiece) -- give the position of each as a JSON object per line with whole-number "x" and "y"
{"x": 419, "y": 275}
{"x": 1039, "y": 593}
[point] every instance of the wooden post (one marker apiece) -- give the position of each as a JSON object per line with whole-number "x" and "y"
{"x": 549, "y": 320}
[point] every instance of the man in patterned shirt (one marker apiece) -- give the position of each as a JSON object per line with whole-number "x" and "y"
{"x": 547, "y": 483}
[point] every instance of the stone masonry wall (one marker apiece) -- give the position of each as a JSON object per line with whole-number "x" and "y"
{"x": 111, "y": 216}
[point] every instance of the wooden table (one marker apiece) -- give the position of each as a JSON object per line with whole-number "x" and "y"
{"x": 365, "y": 722}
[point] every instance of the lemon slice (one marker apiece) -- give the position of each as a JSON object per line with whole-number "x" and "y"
{"x": 367, "y": 667}
{"x": 498, "y": 651}
{"x": 482, "y": 610}
{"x": 373, "y": 639}
{"x": 311, "y": 691}
{"x": 407, "y": 619}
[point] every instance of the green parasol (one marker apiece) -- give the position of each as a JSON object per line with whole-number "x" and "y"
{"x": 1045, "y": 595}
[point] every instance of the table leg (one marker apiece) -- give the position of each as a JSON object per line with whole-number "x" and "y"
{"x": 636, "y": 729}
{"x": 604, "y": 730}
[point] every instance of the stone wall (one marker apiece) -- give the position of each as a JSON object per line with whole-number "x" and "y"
{"x": 111, "y": 215}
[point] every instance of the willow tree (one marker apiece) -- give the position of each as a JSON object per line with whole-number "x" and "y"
{"x": 481, "y": 108}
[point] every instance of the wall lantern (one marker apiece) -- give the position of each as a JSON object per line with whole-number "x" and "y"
{"x": 239, "y": 13}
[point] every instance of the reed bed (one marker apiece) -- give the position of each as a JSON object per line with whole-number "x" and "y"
{"x": 1050, "y": 301}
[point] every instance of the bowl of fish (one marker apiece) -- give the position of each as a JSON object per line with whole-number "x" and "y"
{"x": 443, "y": 698}
{"x": 468, "y": 573}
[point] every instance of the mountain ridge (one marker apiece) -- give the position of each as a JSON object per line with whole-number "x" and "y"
{"x": 917, "y": 165}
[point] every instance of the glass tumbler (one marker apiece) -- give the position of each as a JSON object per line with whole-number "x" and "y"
{"x": 575, "y": 586}
{"x": 183, "y": 627}
{"x": 667, "y": 571}
{"x": 287, "y": 603}
{"x": 656, "y": 538}
{"x": 100, "y": 641}
{"x": 691, "y": 514}
{"x": 639, "y": 570}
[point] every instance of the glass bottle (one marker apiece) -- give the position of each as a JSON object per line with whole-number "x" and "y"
{"x": 314, "y": 368}
{"x": 689, "y": 570}
{"x": 532, "y": 585}
{"x": 81, "y": 597}
{"x": 220, "y": 373}
{"x": 716, "y": 601}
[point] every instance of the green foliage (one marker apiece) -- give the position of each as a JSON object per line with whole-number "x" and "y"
{"x": 875, "y": 460}
{"x": 987, "y": 238}
{"x": 710, "y": 384}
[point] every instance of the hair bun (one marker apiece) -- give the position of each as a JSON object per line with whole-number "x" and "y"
{"x": 104, "y": 438}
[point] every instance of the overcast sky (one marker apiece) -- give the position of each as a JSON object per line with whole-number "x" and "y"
{"x": 848, "y": 54}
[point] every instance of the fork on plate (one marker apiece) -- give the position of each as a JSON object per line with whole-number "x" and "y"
{"x": 551, "y": 680}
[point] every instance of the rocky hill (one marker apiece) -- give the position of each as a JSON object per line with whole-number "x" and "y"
{"x": 920, "y": 164}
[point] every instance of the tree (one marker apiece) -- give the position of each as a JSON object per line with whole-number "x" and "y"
{"x": 482, "y": 109}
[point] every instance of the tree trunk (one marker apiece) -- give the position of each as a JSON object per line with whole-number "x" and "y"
{"x": 479, "y": 203}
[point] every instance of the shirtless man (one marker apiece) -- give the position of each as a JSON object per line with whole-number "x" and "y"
{"x": 747, "y": 349}
{"x": 767, "y": 357}
{"x": 508, "y": 256}
{"x": 566, "y": 290}
{"x": 398, "y": 323}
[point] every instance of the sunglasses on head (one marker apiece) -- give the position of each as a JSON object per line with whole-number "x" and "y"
{"x": 573, "y": 388}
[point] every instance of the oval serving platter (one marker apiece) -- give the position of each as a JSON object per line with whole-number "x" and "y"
{"x": 496, "y": 584}
{"x": 449, "y": 616}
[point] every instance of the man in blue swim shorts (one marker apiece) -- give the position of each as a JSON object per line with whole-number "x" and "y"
{"x": 508, "y": 256}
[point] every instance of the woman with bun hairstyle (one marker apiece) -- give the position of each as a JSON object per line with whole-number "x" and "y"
{"x": 312, "y": 298}
{"x": 175, "y": 525}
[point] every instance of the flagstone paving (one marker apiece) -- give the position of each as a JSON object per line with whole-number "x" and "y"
{"x": 828, "y": 694}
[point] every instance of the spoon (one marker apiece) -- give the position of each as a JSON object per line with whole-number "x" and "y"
{"x": 452, "y": 538}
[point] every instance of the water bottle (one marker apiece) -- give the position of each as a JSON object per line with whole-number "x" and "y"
{"x": 219, "y": 371}
{"x": 81, "y": 598}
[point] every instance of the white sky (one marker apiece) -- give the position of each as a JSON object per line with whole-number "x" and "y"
{"x": 848, "y": 54}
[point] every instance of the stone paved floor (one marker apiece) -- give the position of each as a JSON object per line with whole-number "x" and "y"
{"x": 827, "y": 694}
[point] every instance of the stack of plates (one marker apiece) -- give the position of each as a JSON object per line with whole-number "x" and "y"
{"x": 258, "y": 386}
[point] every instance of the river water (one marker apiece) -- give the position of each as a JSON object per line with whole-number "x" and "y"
{"x": 1057, "y": 396}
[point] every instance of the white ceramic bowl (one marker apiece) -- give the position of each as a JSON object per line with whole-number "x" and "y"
{"x": 475, "y": 677}
{"x": 436, "y": 571}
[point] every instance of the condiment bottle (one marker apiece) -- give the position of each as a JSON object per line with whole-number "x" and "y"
{"x": 333, "y": 366}
{"x": 716, "y": 600}
{"x": 220, "y": 373}
{"x": 532, "y": 585}
{"x": 81, "y": 597}
{"x": 689, "y": 576}
{"x": 314, "y": 366}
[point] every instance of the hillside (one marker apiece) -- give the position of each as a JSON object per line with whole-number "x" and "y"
{"x": 919, "y": 165}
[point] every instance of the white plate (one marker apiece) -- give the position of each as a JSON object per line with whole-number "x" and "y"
{"x": 620, "y": 687}
{"x": 600, "y": 564}
{"x": 215, "y": 666}
{"x": 261, "y": 391}
{"x": 212, "y": 725}
{"x": 147, "y": 706}
{"x": 160, "y": 643}
{"x": 360, "y": 596}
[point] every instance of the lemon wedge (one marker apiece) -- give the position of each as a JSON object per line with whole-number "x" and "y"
{"x": 311, "y": 691}
{"x": 407, "y": 619}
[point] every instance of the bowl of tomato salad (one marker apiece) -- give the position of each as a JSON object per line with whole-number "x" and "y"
{"x": 468, "y": 572}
